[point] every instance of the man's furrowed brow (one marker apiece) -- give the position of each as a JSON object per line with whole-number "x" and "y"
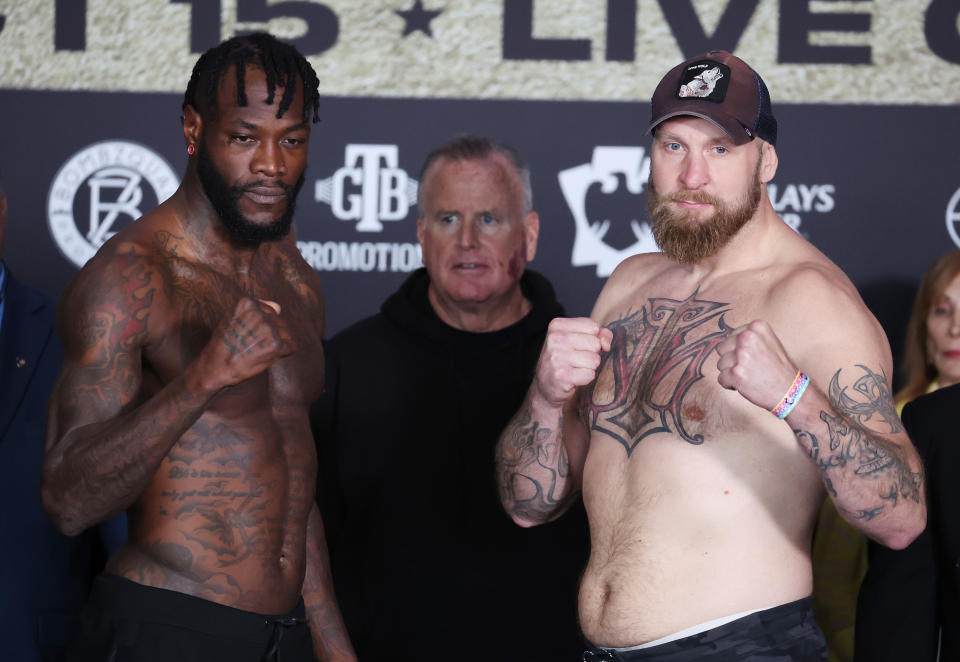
{"x": 250, "y": 126}
{"x": 244, "y": 124}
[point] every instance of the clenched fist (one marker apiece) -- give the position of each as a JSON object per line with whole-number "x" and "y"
{"x": 570, "y": 357}
{"x": 754, "y": 363}
{"x": 246, "y": 343}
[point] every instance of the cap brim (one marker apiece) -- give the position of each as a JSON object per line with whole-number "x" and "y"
{"x": 726, "y": 123}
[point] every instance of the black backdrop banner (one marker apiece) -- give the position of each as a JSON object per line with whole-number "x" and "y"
{"x": 866, "y": 93}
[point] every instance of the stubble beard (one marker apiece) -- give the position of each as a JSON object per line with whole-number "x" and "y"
{"x": 688, "y": 240}
{"x": 224, "y": 199}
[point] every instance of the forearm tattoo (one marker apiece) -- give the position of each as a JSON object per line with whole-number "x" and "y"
{"x": 855, "y": 444}
{"x": 531, "y": 468}
{"x": 656, "y": 356}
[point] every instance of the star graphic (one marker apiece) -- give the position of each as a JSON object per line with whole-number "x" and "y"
{"x": 417, "y": 18}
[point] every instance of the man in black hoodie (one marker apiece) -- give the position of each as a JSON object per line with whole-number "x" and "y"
{"x": 426, "y": 563}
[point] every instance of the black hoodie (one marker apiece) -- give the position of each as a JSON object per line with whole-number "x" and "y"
{"x": 426, "y": 563}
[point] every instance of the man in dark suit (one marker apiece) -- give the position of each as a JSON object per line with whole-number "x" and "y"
{"x": 910, "y": 599}
{"x": 44, "y": 575}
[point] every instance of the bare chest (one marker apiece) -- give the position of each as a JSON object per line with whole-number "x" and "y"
{"x": 202, "y": 301}
{"x": 659, "y": 377}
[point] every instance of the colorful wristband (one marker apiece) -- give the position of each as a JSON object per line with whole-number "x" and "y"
{"x": 792, "y": 396}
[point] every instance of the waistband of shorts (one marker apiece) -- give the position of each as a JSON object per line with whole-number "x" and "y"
{"x": 130, "y": 600}
{"x": 774, "y": 617}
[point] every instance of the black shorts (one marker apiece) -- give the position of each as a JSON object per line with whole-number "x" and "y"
{"x": 128, "y": 622}
{"x": 786, "y": 633}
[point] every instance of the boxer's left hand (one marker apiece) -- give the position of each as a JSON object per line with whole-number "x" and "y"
{"x": 754, "y": 363}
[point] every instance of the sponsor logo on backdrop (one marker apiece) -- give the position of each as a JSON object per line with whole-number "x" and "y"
{"x": 792, "y": 200}
{"x": 101, "y": 189}
{"x": 605, "y": 239}
{"x": 607, "y": 233}
{"x": 369, "y": 191}
{"x": 953, "y": 217}
{"x": 370, "y": 188}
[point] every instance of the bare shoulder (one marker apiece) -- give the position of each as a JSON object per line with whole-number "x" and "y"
{"x": 302, "y": 278}
{"x": 818, "y": 295}
{"x": 825, "y": 325}
{"x": 115, "y": 296}
{"x": 116, "y": 307}
{"x": 631, "y": 276}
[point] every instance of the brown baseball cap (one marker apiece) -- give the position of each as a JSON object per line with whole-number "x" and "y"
{"x": 720, "y": 88}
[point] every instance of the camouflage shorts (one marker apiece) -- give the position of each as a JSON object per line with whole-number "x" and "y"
{"x": 786, "y": 633}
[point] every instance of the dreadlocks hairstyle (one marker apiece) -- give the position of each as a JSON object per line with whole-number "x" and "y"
{"x": 280, "y": 62}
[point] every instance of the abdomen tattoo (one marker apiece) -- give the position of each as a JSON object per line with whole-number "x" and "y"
{"x": 651, "y": 366}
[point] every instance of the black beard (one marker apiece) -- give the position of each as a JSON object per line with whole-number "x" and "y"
{"x": 687, "y": 241}
{"x": 224, "y": 199}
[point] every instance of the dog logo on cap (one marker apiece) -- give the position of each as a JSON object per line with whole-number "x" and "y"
{"x": 702, "y": 85}
{"x": 704, "y": 80}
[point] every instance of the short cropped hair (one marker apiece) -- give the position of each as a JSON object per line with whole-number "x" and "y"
{"x": 281, "y": 63}
{"x": 468, "y": 147}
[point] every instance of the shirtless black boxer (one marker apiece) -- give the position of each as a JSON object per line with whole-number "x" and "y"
{"x": 193, "y": 352}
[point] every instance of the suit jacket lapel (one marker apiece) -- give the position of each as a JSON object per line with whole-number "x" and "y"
{"x": 23, "y": 336}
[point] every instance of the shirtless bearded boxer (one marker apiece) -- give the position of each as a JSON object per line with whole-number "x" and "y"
{"x": 192, "y": 344}
{"x": 717, "y": 393}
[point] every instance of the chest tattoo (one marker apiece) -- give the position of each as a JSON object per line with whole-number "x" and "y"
{"x": 656, "y": 355}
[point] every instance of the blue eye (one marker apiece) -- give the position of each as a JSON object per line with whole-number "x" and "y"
{"x": 486, "y": 219}
{"x": 447, "y": 220}
{"x": 720, "y": 149}
{"x": 673, "y": 147}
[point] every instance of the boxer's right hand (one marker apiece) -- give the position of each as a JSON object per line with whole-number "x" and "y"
{"x": 570, "y": 357}
{"x": 247, "y": 342}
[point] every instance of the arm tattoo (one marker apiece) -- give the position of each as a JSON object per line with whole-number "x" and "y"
{"x": 531, "y": 463}
{"x": 868, "y": 514}
{"x": 879, "y": 403}
{"x": 823, "y": 463}
{"x": 168, "y": 242}
{"x": 855, "y": 442}
{"x": 109, "y": 334}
